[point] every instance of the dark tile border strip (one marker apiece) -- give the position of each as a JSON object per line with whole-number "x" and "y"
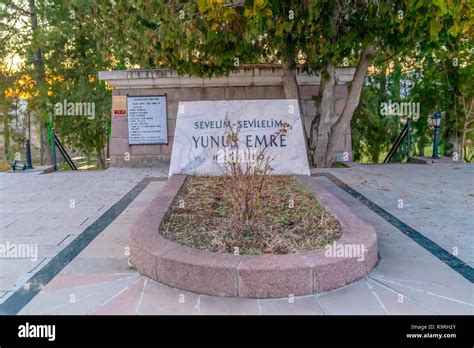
{"x": 452, "y": 261}
{"x": 23, "y": 296}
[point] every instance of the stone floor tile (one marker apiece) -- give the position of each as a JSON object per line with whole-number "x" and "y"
{"x": 396, "y": 302}
{"x": 125, "y": 302}
{"x": 77, "y": 300}
{"x": 102, "y": 250}
{"x": 71, "y": 281}
{"x": 355, "y": 298}
{"x": 419, "y": 270}
{"x": 10, "y": 265}
{"x": 84, "y": 265}
{"x": 161, "y": 299}
{"x": 212, "y": 305}
{"x": 433, "y": 301}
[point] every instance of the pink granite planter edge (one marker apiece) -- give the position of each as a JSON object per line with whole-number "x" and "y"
{"x": 249, "y": 276}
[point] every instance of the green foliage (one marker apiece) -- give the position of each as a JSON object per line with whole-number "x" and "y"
{"x": 74, "y": 44}
{"x": 203, "y": 38}
{"x": 436, "y": 73}
{"x": 429, "y": 78}
{"x": 75, "y": 57}
{"x": 373, "y": 133}
{"x": 78, "y": 38}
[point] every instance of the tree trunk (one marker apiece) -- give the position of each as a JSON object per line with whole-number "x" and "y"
{"x": 290, "y": 86}
{"x": 321, "y": 129}
{"x": 100, "y": 157}
{"x": 42, "y": 88}
{"x": 321, "y": 125}
{"x": 421, "y": 147}
{"x": 6, "y": 133}
{"x": 468, "y": 119}
{"x": 343, "y": 122}
{"x": 45, "y": 153}
{"x": 375, "y": 154}
{"x": 463, "y": 142}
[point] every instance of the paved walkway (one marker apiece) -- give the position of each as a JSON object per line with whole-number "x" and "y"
{"x": 408, "y": 279}
{"x": 49, "y": 211}
{"x": 437, "y": 200}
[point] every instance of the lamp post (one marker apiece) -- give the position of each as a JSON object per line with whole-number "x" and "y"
{"x": 29, "y": 165}
{"x": 28, "y": 155}
{"x": 436, "y": 119}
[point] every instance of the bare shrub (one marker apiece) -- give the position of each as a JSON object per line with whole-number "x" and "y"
{"x": 246, "y": 171}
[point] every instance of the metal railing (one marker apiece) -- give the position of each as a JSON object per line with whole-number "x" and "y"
{"x": 63, "y": 152}
{"x": 405, "y": 135}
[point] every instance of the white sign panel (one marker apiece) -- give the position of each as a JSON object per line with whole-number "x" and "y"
{"x": 202, "y": 128}
{"x": 147, "y": 120}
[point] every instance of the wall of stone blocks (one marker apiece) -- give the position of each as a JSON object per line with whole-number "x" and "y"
{"x": 124, "y": 155}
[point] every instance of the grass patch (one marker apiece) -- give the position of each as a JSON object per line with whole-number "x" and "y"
{"x": 4, "y": 166}
{"x": 290, "y": 219}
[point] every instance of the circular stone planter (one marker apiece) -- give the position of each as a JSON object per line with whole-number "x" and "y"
{"x": 252, "y": 276}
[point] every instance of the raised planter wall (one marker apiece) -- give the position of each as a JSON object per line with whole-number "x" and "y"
{"x": 249, "y": 276}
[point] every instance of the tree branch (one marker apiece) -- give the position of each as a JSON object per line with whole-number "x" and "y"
{"x": 356, "y": 86}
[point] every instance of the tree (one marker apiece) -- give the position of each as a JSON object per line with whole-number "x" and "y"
{"x": 62, "y": 46}
{"x": 205, "y": 38}
{"x": 440, "y": 79}
{"x": 374, "y": 133}
{"x": 201, "y": 38}
{"x": 14, "y": 85}
{"x": 78, "y": 35}
{"x": 213, "y": 38}
{"x": 41, "y": 98}
{"x": 23, "y": 38}
{"x": 5, "y": 107}
{"x": 360, "y": 33}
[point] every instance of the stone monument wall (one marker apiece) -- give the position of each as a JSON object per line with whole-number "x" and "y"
{"x": 256, "y": 82}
